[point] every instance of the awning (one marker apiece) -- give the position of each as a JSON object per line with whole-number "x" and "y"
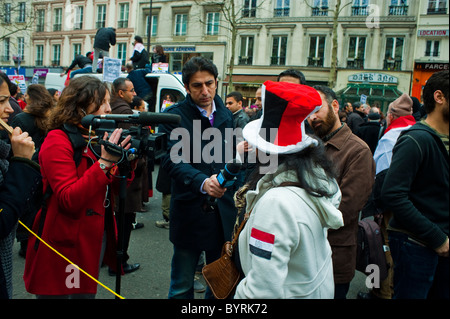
{"x": 381, "y": 94}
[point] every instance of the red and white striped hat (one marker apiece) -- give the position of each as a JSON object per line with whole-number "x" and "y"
{"x": 281, "y": 129}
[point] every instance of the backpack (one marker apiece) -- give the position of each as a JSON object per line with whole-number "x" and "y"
{"x": 370, "y": 248}
{"x": 40, "y": 198}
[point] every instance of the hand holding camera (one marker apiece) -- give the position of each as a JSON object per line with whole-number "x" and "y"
{"x": 112, "y": 150}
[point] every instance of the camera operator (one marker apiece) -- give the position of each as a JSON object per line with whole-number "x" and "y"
{"x": 79, "y": 221}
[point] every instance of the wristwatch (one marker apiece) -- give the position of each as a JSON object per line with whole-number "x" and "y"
{"x": 103, "y": 166}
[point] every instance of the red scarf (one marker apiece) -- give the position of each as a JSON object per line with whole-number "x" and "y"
{"x": 402, "y": 121}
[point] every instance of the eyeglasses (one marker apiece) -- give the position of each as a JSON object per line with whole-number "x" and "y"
{"x": 132, "y": 90}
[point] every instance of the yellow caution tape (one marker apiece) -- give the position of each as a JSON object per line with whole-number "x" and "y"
{"x": 66, "y": 259}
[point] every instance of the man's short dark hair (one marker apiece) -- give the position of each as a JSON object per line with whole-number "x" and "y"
{"x": 198, "y": 63}
{"x": 438, "y": 81}
{"x": 118, "y": 84}
{"x": 356, "y": 105}
{"x": 294, "y": 73}
{"x": 236, "y": 95}
{"x": 330, "y": 95}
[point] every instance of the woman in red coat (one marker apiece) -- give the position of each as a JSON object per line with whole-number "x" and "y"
{"x": 79, "y": 221}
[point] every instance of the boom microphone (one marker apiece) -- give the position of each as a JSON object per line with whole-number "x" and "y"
{"x": 143, "y": 118}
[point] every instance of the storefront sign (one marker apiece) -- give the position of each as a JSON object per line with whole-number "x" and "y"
{"x": 180, "y": 49}
{"x": 432, "y": 33}
{"x": 373, "y": 78}
{"x": 431, "y": 66}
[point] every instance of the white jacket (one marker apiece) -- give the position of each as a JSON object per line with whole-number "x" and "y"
{"x": 283, "y": 248}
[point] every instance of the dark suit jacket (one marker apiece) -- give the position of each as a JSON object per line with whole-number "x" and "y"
{"x": 190, "y": 225}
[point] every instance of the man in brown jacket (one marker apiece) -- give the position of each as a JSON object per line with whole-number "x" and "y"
{"x": 356, "y": 174}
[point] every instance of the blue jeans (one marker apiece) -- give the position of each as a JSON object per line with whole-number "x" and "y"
{"x": 87, "y": 69}
{"x": 419, "y": 273}
{"x": 184, "y": 262}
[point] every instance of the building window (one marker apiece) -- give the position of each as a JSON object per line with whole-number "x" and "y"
{"x": 76, "y": 49}
{"x": 124, "y": 9}
{"x": 360, "y": 7}
{"x": 212, "y": 23}
{"x": 249, "y": 10}
{"x": 122, "y": 52}
{"x": 78, "y": 23}
{"x": 316, "y": 51}
{"x": 39, "y": 55}
{"x": 22, "y": 12}
{"x": 246, "y": 56}
{"x": 437, "y": 7}
{"x": 40, "y": 26}
{"x": 282, "y": 8}
{"x": 154, "y": 25}
{"x": 279, "y": 49}
{"x": 21, "y": 47}
{"x": 101, "y": 16}
{"x": 320, "y": 8}
{"x": 180, "y": 24}
{"x": 6, "y": 49}
{"x": 56, "y": 54}
{"x": 7, "y": 13}
{"x": 356, "y": 52}
{"x": 57, "y": 13}
{"x": 394, "y": 53}
{"x": 398, "y": 8}
{"x": 432, "y": 48}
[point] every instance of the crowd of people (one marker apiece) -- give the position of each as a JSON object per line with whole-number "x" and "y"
{"x": 300, "y": 236}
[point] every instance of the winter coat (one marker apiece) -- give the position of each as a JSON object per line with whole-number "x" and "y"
{"x": 355, "y": 119}
{"x": 19, "y": 184}
{"x": 79, "y": 214}
{"x": 104, "y": 38}
{"x": 283, "y": 248}
{"x": 416, "y": 186}
{"x": 191, "y": 226}
{"x": 356, "y": 174}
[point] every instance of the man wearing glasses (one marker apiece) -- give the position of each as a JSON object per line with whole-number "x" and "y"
{"x": 122, "y": 94}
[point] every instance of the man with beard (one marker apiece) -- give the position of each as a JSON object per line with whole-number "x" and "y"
{"x": 416, "y": 190}
{"x": 355, "y": 170}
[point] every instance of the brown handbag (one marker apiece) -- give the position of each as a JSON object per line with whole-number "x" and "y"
{"x": 222, "y": 275}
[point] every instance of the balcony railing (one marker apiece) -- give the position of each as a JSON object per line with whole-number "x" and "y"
{"x": 100, "y": 24}
{"x": 281, "y": 12}
{"x": 122, "y": 24}
{"x": 392, "y": 65}
{"x": 398, "y": 10}
{"x": 360, "y": 11}
{"x": 315, "y": 61}
{"x": 57, "y": 27}
{"x": 245, "y": 60}
{"x": 56, "y": 62}
{"x": 437, "y": 11}
{"x": 320, "y": 11}
{"x": 355, "y": 63}
{"x": 4, "y": 58}
{"x": 39, "y": 62}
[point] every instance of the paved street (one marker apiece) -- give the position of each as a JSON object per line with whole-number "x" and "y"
{"x": 149, "y": 246}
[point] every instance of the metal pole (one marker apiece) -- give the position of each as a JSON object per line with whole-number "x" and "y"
{"x": 149, "y": 28}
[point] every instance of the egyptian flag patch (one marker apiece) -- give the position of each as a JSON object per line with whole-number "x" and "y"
{"x": 261, "y": 243}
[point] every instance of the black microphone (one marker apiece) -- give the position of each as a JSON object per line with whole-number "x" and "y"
{"x": 228, "y": 175}
{"x": 226, "y": 178}
{"x": 144, "y": 118}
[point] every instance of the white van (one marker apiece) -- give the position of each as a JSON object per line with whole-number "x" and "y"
{"x": 162, "y": 84}
{"x": 55, "y": 81}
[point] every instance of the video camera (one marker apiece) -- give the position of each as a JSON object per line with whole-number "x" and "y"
{"x": 143, "y": 142}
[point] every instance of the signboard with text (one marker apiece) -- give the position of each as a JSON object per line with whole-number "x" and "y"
{"x": 373, "y": 78}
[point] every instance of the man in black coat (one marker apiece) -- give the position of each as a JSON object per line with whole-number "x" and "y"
{"x": 104, "y": 38}
{"x": 194, "y": 226}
